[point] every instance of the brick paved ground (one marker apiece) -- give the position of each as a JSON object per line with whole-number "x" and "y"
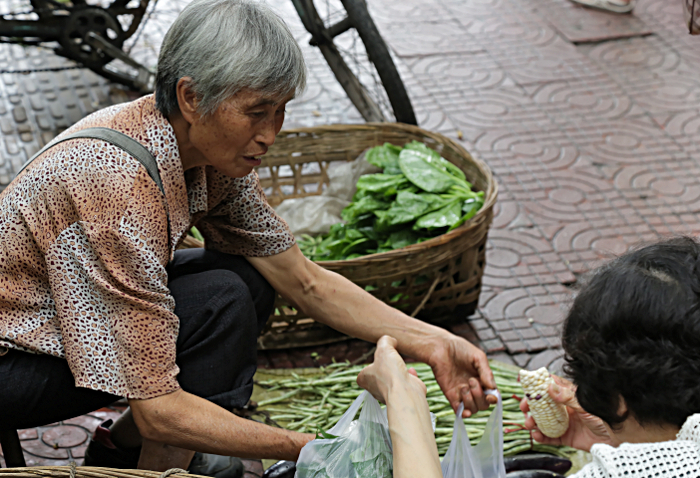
{"x": 590, "y": 122}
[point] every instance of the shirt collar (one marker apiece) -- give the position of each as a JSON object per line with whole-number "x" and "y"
{"x": 183, "y": 197}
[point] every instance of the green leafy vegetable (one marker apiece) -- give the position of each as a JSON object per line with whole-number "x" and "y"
{"x": 446, "y": 216}
{"x": 418, "y": 195}
{"x": 364, "y": 205}
{"x": 386, "y": 184}
{"x": 385, "y": 157}
{"x": 435, "y": 158}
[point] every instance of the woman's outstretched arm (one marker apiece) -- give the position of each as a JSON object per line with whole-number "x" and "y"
{"x": 415, "y": 450}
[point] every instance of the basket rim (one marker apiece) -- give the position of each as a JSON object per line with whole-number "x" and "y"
{"x": 490, "y": 195}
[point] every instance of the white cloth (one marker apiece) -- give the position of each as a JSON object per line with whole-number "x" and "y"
{"x": 679, "y": 458}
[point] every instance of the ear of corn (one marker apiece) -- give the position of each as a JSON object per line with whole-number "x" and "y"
{"x": 552, "y": 418}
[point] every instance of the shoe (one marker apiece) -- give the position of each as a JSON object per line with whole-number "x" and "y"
{"x": 101, "y": 451}
{"x": 216, "y": 466}
{"x": 281, "y": 469}
{"x": 614, "y": 6}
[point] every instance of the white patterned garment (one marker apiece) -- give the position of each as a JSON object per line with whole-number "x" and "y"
{"x": 679, "y": 458}
{"x": 83, "y": 250}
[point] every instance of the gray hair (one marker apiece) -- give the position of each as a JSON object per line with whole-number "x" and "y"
{"x": 226, "y": 46}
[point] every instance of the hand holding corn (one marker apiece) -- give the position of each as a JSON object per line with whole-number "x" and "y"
{"x": 552, "y": 418}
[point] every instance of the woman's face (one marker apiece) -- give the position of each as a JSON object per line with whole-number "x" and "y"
{"x": 238, "y": 133}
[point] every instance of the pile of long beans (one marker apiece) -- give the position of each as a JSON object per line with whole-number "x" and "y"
{"x": 313, "y": 404}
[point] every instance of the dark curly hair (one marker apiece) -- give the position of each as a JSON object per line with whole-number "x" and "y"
{"x": 633, "y": 332}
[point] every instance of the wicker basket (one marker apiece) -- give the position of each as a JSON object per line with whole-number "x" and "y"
{"x": 88, "y": 472}
{"x": 434, "y": 277}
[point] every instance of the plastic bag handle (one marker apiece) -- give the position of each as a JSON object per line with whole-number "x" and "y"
{"x": 344, "y": 423}
{"x": 485, "y": 460}
{"x": 493, "y": 392}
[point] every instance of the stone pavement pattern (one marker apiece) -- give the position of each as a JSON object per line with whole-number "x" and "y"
{"x": 590, "y": 122}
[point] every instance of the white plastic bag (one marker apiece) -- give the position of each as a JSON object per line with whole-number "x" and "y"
{"x": 311, "y": 215}
{"x": 485, "y": 460}
{"x": 362, "y": 448}
{"x": 316, "y": 214}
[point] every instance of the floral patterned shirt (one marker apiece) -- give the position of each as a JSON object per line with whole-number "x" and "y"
{"x": 83, "y": 250}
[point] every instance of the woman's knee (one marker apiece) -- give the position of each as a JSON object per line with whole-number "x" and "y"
{"x": 250, "y": 292}
{"x": 210, "y": 293}
{"x": 213, "y": 265}
{"x": 217, "y": 341}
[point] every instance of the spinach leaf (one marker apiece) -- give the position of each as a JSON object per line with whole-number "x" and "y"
{"x": 386, "y": 184}
{"x": 469, "y": 209}
{"x": 435, "y": 158}
{"x": 385, "y": 157}
{"x": 403, "y": 238}
{"x": 356, "y": 245}
{"x": 425, "y": 173}
{"x": 364, "y": 205}
{"x": 443, "y": 217}
{"x": 406, "y": 208}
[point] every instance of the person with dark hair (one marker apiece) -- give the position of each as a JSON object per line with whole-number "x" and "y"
{"x": 632, "y": 343}
{"x": 632, "y": 350}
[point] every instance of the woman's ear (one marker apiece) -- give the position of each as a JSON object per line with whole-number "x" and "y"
{"x": 187, "y": 99}
{"x": 621, "y": 406}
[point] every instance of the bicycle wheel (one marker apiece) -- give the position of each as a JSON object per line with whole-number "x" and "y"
{"x": 90, "y": 32}
{"x": 114, "y": 21}
{"x": 366, "y": 71}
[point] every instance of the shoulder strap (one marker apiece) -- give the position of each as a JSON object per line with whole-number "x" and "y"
{"x": 120, "y": 140}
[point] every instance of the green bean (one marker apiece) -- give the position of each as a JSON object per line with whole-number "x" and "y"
{"x": 284, "y": 417}
{"x": 317, "y": 402}
{"x": 279, "y": 399}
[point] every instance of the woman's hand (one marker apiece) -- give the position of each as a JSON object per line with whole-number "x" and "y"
{"x": 462, "y": 371}
{"x": 388, "y": 371}
{"x": 585, "y": 430}
{"x": 460, "y": 368}
{"x": 414, "y": 449}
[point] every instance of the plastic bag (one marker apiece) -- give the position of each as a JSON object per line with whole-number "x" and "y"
{"x": 316, "y": 214}
{"x": 360, "y": 449}
{"x": 343, "y": 176}
{"x": 485, "y": 460}
{"x": 311, "y": 215}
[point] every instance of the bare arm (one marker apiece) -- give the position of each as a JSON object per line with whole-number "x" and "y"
{"x": 184, "y": 420}
{"x": 414, "y": 448}
{"x": 460, "y": 368}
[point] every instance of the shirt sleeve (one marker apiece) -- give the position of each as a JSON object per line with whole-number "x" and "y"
{"x": 113, "y": 306}
{"x": 244, "y": 223}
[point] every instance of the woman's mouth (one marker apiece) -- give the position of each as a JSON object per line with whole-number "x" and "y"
{"x": 254, "y": 160}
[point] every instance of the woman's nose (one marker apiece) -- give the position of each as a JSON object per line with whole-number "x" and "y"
{"x": 266, "y": 134}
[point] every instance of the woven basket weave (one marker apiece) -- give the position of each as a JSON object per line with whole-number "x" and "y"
{"x": 433, "y": 277}
{"x": 86, "y": 472}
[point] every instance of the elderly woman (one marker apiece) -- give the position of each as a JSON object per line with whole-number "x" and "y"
{"x": 96, "y": 303}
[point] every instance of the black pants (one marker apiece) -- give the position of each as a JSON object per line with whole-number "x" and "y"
{"x": 222, "y": 303}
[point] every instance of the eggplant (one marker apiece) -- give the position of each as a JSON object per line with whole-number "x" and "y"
{"x": 281, "y": 469}
{"x": 537, "y": 461}
{"x": 534, "y": 474}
